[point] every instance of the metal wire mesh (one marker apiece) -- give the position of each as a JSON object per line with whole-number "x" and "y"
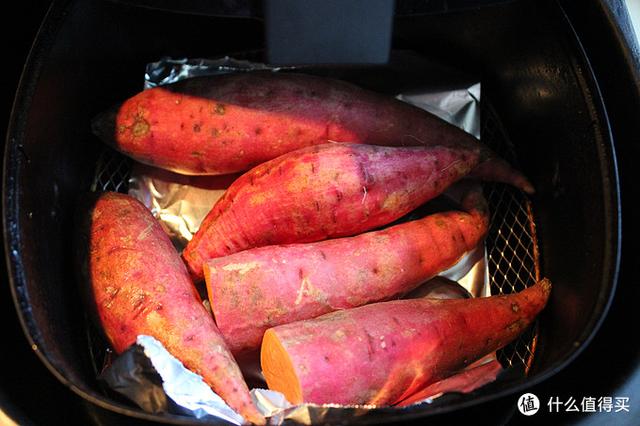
{"x": 511, "y": 240}
{"x": 112, "y": 172}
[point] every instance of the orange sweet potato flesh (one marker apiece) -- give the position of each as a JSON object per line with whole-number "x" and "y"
{"x": 230, "y": 123}
{"x": 256, "y": 289}
{"x": 140, "y": 286}
{"x": 324, "y": 191}
{"x": 384, "y": 352}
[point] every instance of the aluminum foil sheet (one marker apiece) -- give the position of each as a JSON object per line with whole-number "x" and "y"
{"x": 181, "y": 203}
{"x": 458, "y": 105}
{"x": 155, "y": 380}
{"x": 169, "y": 70}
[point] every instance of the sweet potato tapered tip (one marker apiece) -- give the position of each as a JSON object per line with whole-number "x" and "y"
{"x": 103, "y": 125}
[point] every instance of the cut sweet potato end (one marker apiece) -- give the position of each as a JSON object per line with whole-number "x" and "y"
{"x": 278, "y": 369}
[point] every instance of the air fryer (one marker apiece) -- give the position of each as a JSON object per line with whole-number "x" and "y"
{"x": 542, "y": 110}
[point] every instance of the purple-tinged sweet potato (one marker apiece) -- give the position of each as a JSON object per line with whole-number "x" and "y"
{"x": 324, "y": 191}
{"x": 230, "y": 123}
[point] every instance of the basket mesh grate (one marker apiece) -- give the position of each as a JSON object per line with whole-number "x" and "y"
{"x": 112, "y": 172}
{"x": 511, "y": 241}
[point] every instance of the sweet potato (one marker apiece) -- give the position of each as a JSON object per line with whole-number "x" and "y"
{"x": 256, "y": 289}
{"x": 323, "y": 191}
{"x": 141, "y": 286}
{"x": 229, "y": 123}
{"x": 466, "y": 381}
{"x": 384, "y": 352}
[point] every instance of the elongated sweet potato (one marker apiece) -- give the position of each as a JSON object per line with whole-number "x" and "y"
{"x": 323, "y": 191}
{"x": 141, "y": 286}
{"x": 229, "y": 123}
{"x": 256, "y": 289}
{"x": 384, "y": 352}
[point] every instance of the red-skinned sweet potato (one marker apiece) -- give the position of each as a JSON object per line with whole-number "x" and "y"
{"x": 468, "y": 380}
{"x": 384, "y": 352}
{"x": 230, "y": 123}
{"x": 324, "y": 191}
{"x": 256, "y": 289}
{"x": 141, "y": 286}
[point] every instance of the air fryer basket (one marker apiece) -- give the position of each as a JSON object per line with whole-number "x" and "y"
{"x": 541, "y": 110}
